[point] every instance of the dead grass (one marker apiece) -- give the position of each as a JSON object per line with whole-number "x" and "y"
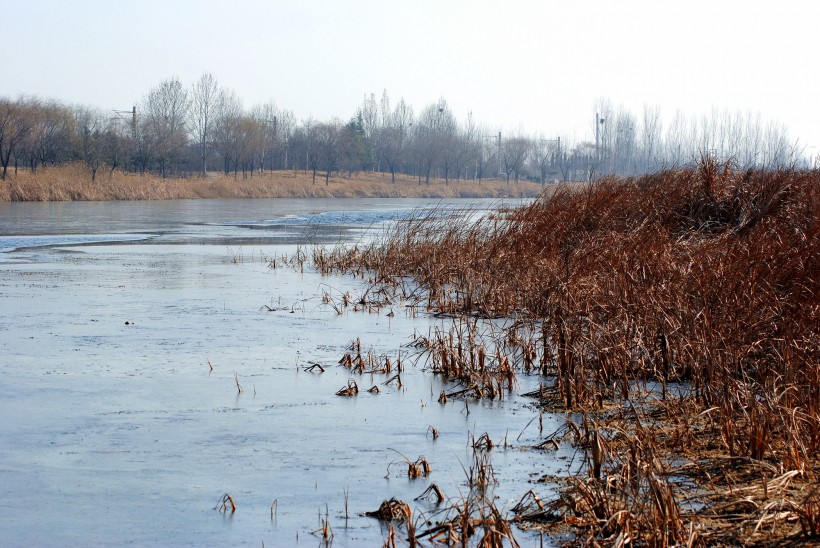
{"x": 679, "y": 313}
{"x": 72, "y": 182}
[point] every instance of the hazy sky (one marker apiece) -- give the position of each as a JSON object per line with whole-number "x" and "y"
{"x": 534, "y": 65}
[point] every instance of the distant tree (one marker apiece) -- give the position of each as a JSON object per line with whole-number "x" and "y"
{"x": 203, "y": 112}
{"x": 484, "y": 153}
{"x": 116, "y": 144}
{"x": 186, "y": 129}
{"x": 751, "y": 138}
{"x": 777, "y": 151}
{"x": 602, "y": 128}
{"x": 285, "y": 125}
{"x": 516, "y": 150}
{"x": 308, "y": 144}
{"x": 250, "y": 144}
{"x": 49, "y": 135}
{"x": 54, "y": 134}
{"x": 228, "y": 129}
{"x": 446, "y": 138}
{"x": 327, "y": 147}
{"x": 371, "y": 124}
{"x": 434, "y": 130}
{"x": 91, "y": 134}
{"x": 353, "y": 150}
{"x": 396, "y": 137}
{"x": 165, "y": 111}
{"x": 266, "y": 118}
{"x": 15, "y": 124}
{"x": 466, "y": 135}
{"x": 625, "y": 143}
{"x": 677, "y": 142}
{"x": 545, "y": 155}
{"x": 650, "y": 137}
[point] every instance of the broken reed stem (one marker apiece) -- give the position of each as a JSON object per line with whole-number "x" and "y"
{"x": 223, "y": 503}
{"x": 350, "y": 390}
{"x": 391, "y": 510}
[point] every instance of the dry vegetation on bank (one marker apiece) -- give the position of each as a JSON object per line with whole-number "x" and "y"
{"x": 67, "y": 183}
{"x": 678, "y": 316}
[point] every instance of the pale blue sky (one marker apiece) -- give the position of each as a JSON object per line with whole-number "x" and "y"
{"x": 535, "y": 65}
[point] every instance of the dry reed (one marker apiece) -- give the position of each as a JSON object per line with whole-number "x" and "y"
{"x": 73, "y": 182}
{"x": 678, "y": 312}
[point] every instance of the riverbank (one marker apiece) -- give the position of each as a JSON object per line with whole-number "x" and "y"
{"x": 673, "y": 317}
{"x": 73, "y": 183}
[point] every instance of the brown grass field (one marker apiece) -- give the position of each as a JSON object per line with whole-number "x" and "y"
{"x": 73, "y": 182}
{"x": 676, "y": 315}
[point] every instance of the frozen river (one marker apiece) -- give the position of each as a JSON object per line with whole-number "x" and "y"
{"x": 115, "y": 430}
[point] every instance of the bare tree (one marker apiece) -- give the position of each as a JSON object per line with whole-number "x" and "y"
{"x": 165, "y": 111}
{"x": 284, "y": 129}
{"x": 309, "y": 143}
{"x": 603, "y": 132}
{"x": 203, "y": 112}
{"x": 371, "y": 121}
{"x": 650, "y": 136}
{"x": 570, "y": 159}
{"x": 516, "y": 150}
{"x": 483, "y": 153}
{"x": 29, "y": 145}
{"x": 677, "y": 147}
{"x": 446, "y": 138}
{"x": 545, "y": 154}
{"x": 116, "y": 144}
{"x": 353, "y": 152}
{"x": 625, "y": 142}
{"x": 434, "y": 130}
{"x": 15, "y": 124}
{"x": 267, "y": 121}
{"x": 752, "y": 140}
{"x": 249, "y": 144}
{"x": 396, "y": 136}
{"x": 327, "y": 137}
{"x": 91, "y": 134}
{"x": 227, "y": 129}
{"x": 186, "y": 130}
{"x": 777, "y": 151}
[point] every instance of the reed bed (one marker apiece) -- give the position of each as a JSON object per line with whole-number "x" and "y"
{"x": 678, "y": 313}
{"x": 73, "y": 182}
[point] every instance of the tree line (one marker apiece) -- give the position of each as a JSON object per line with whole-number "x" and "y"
{"x": 177, "y": 130}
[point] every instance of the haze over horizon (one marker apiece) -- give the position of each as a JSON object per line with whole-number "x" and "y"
{"x": 531, "y": 65}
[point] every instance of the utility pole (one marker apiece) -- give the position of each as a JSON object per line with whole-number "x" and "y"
{"x": 133, "y": 123}
{"x": 121, "y": 115}
{"x": 599, "y": 122}
{"x": 500, "y": 160}
{"x": 597, "y": 153}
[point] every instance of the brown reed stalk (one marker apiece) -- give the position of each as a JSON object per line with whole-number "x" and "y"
{"x": 688, "y": 299}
